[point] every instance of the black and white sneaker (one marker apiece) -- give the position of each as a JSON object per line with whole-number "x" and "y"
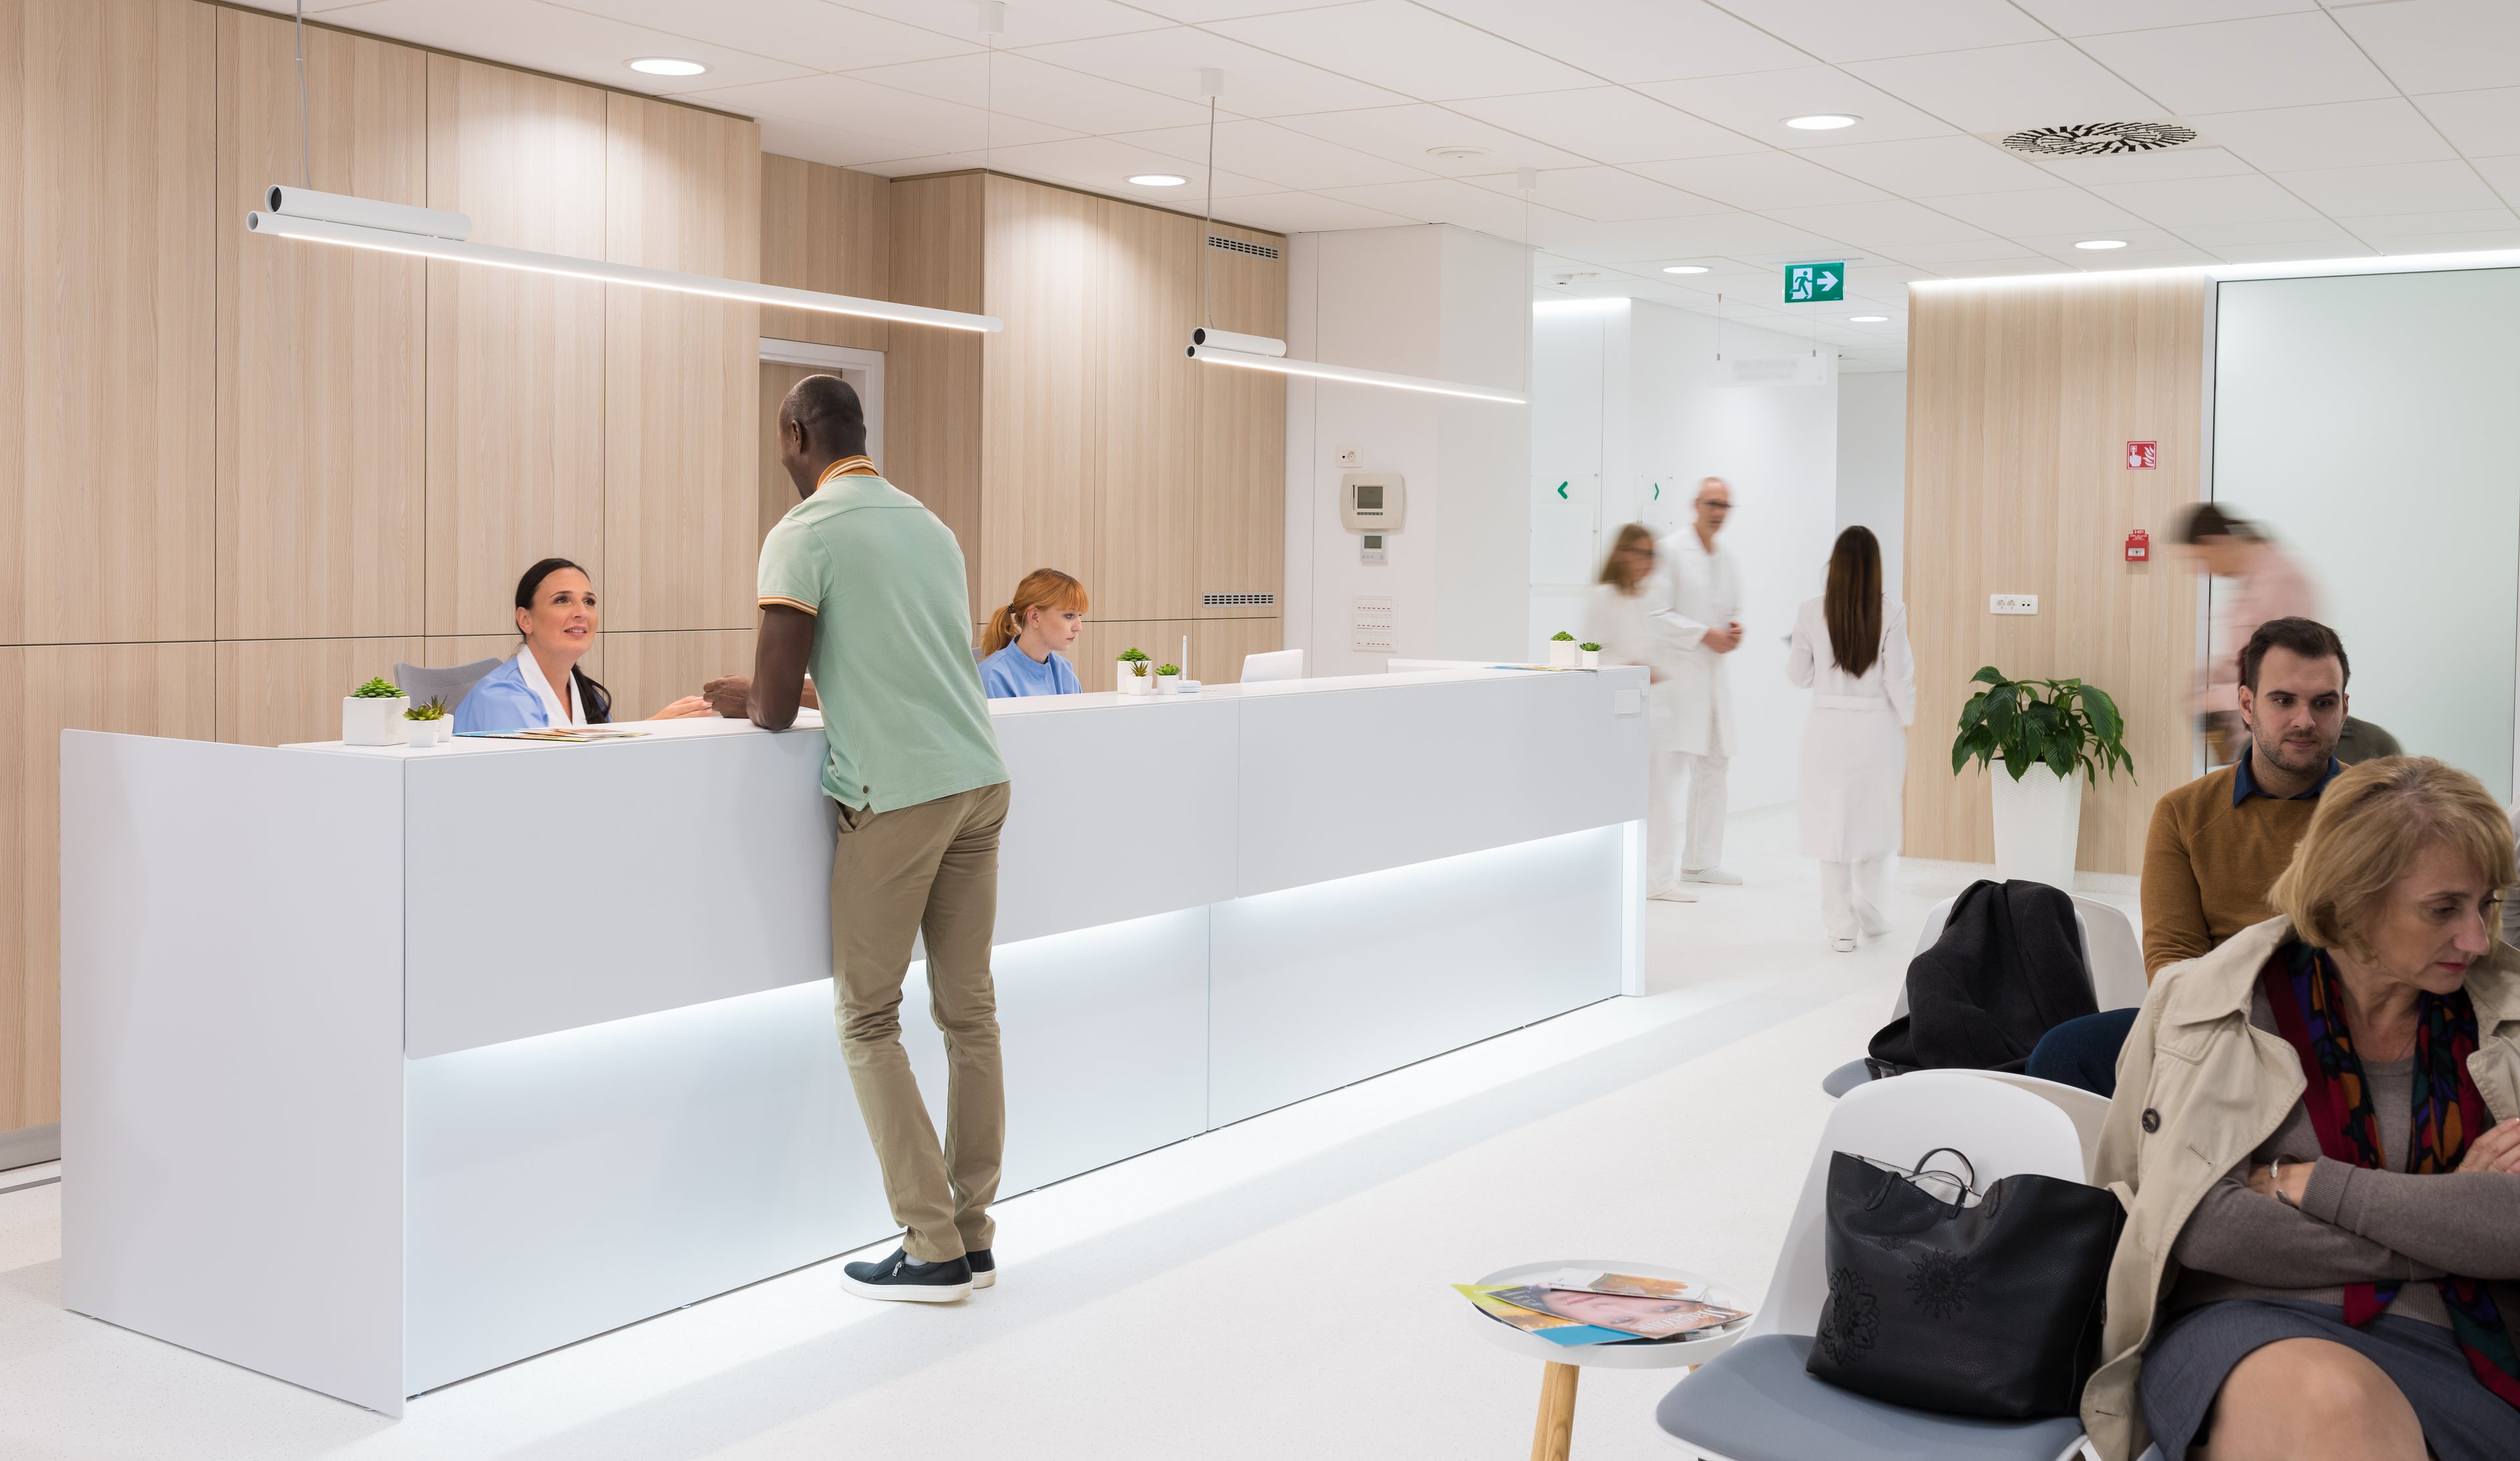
{"x": 902, "y": 1278}
{"x": 984, "y": 1267}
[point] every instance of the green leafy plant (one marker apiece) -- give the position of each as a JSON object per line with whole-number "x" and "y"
{"x": 2063, "y": 725}
{"x": 378, "y": 689}
{"x": 1589, "y": 647}
{"x": 1167, "y": 668}
{"x": 1560, "y": 634}
{"x": 431, "y": 709}
{"x": 1134, "y": 655}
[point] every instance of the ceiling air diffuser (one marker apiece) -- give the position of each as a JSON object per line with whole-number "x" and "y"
{"x": 2100, "y": 139}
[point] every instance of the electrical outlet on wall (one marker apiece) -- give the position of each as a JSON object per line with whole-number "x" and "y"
{"x": 1347, "y": 455}
{"x": 2012, "y": 604}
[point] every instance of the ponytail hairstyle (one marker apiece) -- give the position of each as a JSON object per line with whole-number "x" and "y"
{"x": 1041, "y": 589}
{"x": 1853, "y": 607}
{"x": 592, "y": 696}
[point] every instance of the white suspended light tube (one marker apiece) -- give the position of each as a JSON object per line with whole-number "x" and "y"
{"x": 1254, "y": 361}
{"x": 429, "y": 232}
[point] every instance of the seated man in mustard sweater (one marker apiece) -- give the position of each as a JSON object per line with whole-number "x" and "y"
{"x": 2218, "y": 843}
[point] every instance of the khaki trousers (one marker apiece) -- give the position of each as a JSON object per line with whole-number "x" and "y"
{"x": 927, "y": 869}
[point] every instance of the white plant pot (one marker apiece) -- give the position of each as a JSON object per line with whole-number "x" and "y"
{"x": 1166, "y": 685}
{"x": 1562, "y": 654}
{"x": 2037, "y": 822}
{"x": 446, "y": 725}
{"x": 1592, "y": 659}
{"x": 373, "y": 723}
{"x": 421, "y": 735}
{"x": 1126, "y": 683}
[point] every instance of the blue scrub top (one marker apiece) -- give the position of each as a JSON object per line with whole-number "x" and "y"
{"x": 502, "y": 701}
{"x": 1011, "y": 674}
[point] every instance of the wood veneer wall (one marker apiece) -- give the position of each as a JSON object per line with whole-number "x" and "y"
{"x": 237, "y": 477}
{"x": 2021, "y": 397}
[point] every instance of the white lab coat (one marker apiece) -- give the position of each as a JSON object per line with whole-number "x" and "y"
{"x": 1855, "y": 745}
{"x": 1620, "y": 624}
{"x": 1692, "y": 591}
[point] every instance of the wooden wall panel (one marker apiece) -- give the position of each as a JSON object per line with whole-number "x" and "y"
{"x": 649, "y": 671}
{"x": 931, "y": 423}
{"x": 138, "y": 689}
{"x": 515, "y": 360}
{"x": 1143, "y": 301}
{"x": 322, "y": 396}
{"x": 1242, "y": 534}
{"x": 279, "y": 691}
{"x": 681, "y": 370}
{"x": 828, "y": 229}
{"x": 2021, "y": 397}
{"x": 1042, "y": 451}
{"x": 107, "y": 321}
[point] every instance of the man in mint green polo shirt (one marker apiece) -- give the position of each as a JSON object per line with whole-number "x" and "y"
{"x": 862, "y": 585}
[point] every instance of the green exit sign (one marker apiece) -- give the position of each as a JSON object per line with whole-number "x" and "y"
{"x": 1814, "y": 283}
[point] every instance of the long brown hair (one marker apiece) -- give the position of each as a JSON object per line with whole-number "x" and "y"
{"x": 1629, "y": 537}
{"x": 1042, "y": 588}
{"x": 1853, "y": 607}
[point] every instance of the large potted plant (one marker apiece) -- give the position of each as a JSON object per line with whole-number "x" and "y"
{"x": 2049, "y": 737}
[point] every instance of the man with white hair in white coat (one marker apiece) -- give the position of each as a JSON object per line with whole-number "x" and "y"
{"x": 1694, "y": 597}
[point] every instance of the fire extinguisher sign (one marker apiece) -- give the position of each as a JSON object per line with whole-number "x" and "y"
{"x": 2143, "y": 456}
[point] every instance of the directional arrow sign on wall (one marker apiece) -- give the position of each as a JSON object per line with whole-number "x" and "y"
{"x": 1814, "y": 283}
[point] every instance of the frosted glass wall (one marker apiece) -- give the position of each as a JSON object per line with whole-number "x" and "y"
{"x": 2368, "y": 420}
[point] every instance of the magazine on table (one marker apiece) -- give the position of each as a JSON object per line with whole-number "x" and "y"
{"x": 1582, "y": 1307}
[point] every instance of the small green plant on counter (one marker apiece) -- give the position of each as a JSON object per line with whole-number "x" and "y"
{"x": 1560, "y": 634}
{"x": 432, "y": 709}
{"x": 1167, "y": 668}
{"x": 1136, "y": 659}
{"x": 378, "y": 689}
{"x": 1589, "y": 647}
{"x": 2059, "y": 723}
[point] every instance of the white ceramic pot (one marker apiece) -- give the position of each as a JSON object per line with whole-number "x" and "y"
{"x": 1133, "y": 684}
{"x": 1592, "y": 659}
{"x": 421, "y": 735}
{"x": 446, "y": 725}
{"x": 2037, "y": 822}
{"x": 373, "y": 723}
{"x": 1562, "y": 654}
{"x": 1166, "y": 685}
{"x": 1122, "y": 678}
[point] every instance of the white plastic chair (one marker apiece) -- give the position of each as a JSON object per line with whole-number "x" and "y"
{"x": 1754, "y": 1402}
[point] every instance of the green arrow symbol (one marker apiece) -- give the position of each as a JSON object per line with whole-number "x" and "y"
{"x": 1561, "y": 493}
{"x": 1658, "y": 497}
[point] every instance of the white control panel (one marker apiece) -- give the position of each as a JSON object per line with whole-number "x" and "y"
{"x": 1371, "y": 624}
{"x": 1373, "y": 502}
{"x": 2012, "y": 604}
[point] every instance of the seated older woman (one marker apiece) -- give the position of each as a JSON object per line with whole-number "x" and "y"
{"x": 2314, "y": 1123}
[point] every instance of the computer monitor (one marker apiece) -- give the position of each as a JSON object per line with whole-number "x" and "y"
{"x": 1277, "y": 664}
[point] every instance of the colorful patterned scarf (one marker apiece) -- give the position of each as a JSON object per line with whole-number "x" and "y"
{"x": 2302, "y": 985}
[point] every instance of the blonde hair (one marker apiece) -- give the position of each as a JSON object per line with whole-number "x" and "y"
{"x": 1629, "y": 535}
{"x": 2372, "y": 822}
{"x": 1042, "y": 588}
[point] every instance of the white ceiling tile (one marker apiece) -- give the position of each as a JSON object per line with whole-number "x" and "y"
{"x": 1878, "y": 226}
{"x": 2497, "y": 241}
{"x": 1018, "y": 86}
{"x": 2007, "y": 268}
{"x": 2407, "y": 187}
{"x": 1307, "y": 213}
{"x": 1759, "y": 181}
{"x": 2504, "y": 174}
{"x": 2455, "y": 221}
{"x": 1029, "y": 23}
{"x": 1966, "y": 251}
{"x": 1929, "y": 165}
{"x": 2147, "y": 168}
{"x": 921, "y": 167}
{"x": 1256, "y": 84}
{"x": 2439, "y": 45}
{"x": 2291, "y": 234}
{"x": 2290, "y": 253}
{"x": 2101, "y": 17}
{"x": 2047, "y": 210}
{"x": 1744, "y": 237}
{"x": 831, "y": 145}
{"x": 1609, "y": 124}
{"x": 1417, "y": 52}
{"x": 2061, "y": 247}
{"x": 1631, "y": 40}
{"x": 2479, "y": 123}
{"x": 1757, "y": 106}
{"x": 1104, "y": 165}
{"x": 1602, "y": 193}
{"x": 1200, "y": 11}
{"x": 1843, "y": 30}
{"x": 848, "y": 105}
{"x": 1408, "y": 134}
{"x": 2177, "y": 201}
{"x": 2147, "y": 258}
{"x": 2239, "y": 65}
{"x": 1451, "y": 200}
{"x": 2340, "y": 134}
{"x": 563, "y": 43}
{"x": 1263, "y": 150}
{"x": 2004, "y": 88}
{"x": 810, "y": 33}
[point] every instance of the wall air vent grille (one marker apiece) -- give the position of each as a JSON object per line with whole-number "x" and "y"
{"x": 2100, "y": 139}
{"x": 1239, "y": 247}
{"x": 1236, "y": 600}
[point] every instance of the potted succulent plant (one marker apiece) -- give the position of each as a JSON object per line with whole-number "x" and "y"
{"x": 372, "y": 714}
{"x": 1137, "y": 676}
{"x": 1592, "y": 654}
{"x": 2049, "y": 735}
{"x": 427, "y": 724}
{"x": 1167, "y": 679}
{"x": 1563, "y": 652}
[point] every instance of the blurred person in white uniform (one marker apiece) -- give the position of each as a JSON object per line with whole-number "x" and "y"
{"x": 1850, "y": 646}
{"x": 1694, "y": 600}
{"x": 1618, "y": 617}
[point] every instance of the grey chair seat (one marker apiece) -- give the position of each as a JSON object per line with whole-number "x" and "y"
{"x": 1845, "y": 1078}
{"x": 1754, "y": 1402}
{"x": 422, "y": 685}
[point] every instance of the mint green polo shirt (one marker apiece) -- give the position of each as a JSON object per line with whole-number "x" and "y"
{"x": 902, "y": 708}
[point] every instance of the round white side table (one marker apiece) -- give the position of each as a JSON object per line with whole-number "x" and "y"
{"x": 1554, "y": 1432}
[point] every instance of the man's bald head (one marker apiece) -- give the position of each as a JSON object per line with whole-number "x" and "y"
{"x": 820, "y": 422}
{"x": 1714, "y": 504}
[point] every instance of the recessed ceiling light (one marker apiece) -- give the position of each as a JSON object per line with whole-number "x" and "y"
{"x": 1684, "y": 268}
{"x": 666, "y": 66}
{"x": 1457, "y": 153}
{"x": 1158, "y": 180}
{"x": 2101, "y": 244}
{"x": 1822, "y": 121}
{"x": 1867, "y": 319}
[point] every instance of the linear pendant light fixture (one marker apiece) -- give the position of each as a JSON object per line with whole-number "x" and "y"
{"x": 1259, "y": 352}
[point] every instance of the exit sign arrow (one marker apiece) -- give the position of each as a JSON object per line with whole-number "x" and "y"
{"x": 1816, "y": 283}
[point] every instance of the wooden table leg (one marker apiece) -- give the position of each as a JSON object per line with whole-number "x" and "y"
{"x": 1550, "y": 1439}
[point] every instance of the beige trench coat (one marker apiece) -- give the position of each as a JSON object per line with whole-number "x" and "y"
{"x": 2198, "y": 1089}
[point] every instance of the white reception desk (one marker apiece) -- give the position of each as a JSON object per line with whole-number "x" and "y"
{"x": 383, "y": 1068}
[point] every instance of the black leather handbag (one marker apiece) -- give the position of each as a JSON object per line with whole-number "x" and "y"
{"x": 1943, "y": 1300}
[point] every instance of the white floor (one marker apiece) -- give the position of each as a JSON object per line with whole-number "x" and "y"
{"x": 1276, "y": 1289}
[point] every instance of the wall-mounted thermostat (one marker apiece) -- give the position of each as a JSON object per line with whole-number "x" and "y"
{"x": 1372, "y": 502}
{"x": 1372, "y": 551}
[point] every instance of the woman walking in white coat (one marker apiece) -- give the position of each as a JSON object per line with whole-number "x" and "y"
{"x": 1851, "y": 647}
{"x": 1618, "y": 617}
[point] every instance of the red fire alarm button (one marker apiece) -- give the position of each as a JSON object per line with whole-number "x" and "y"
{"x": 2143, "y": 456}
{"x": 2139, "y": 547}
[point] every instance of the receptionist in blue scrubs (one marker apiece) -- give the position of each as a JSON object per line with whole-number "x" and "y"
{"x": 1025, "y": 649}
{"x": 543, "y": 686}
